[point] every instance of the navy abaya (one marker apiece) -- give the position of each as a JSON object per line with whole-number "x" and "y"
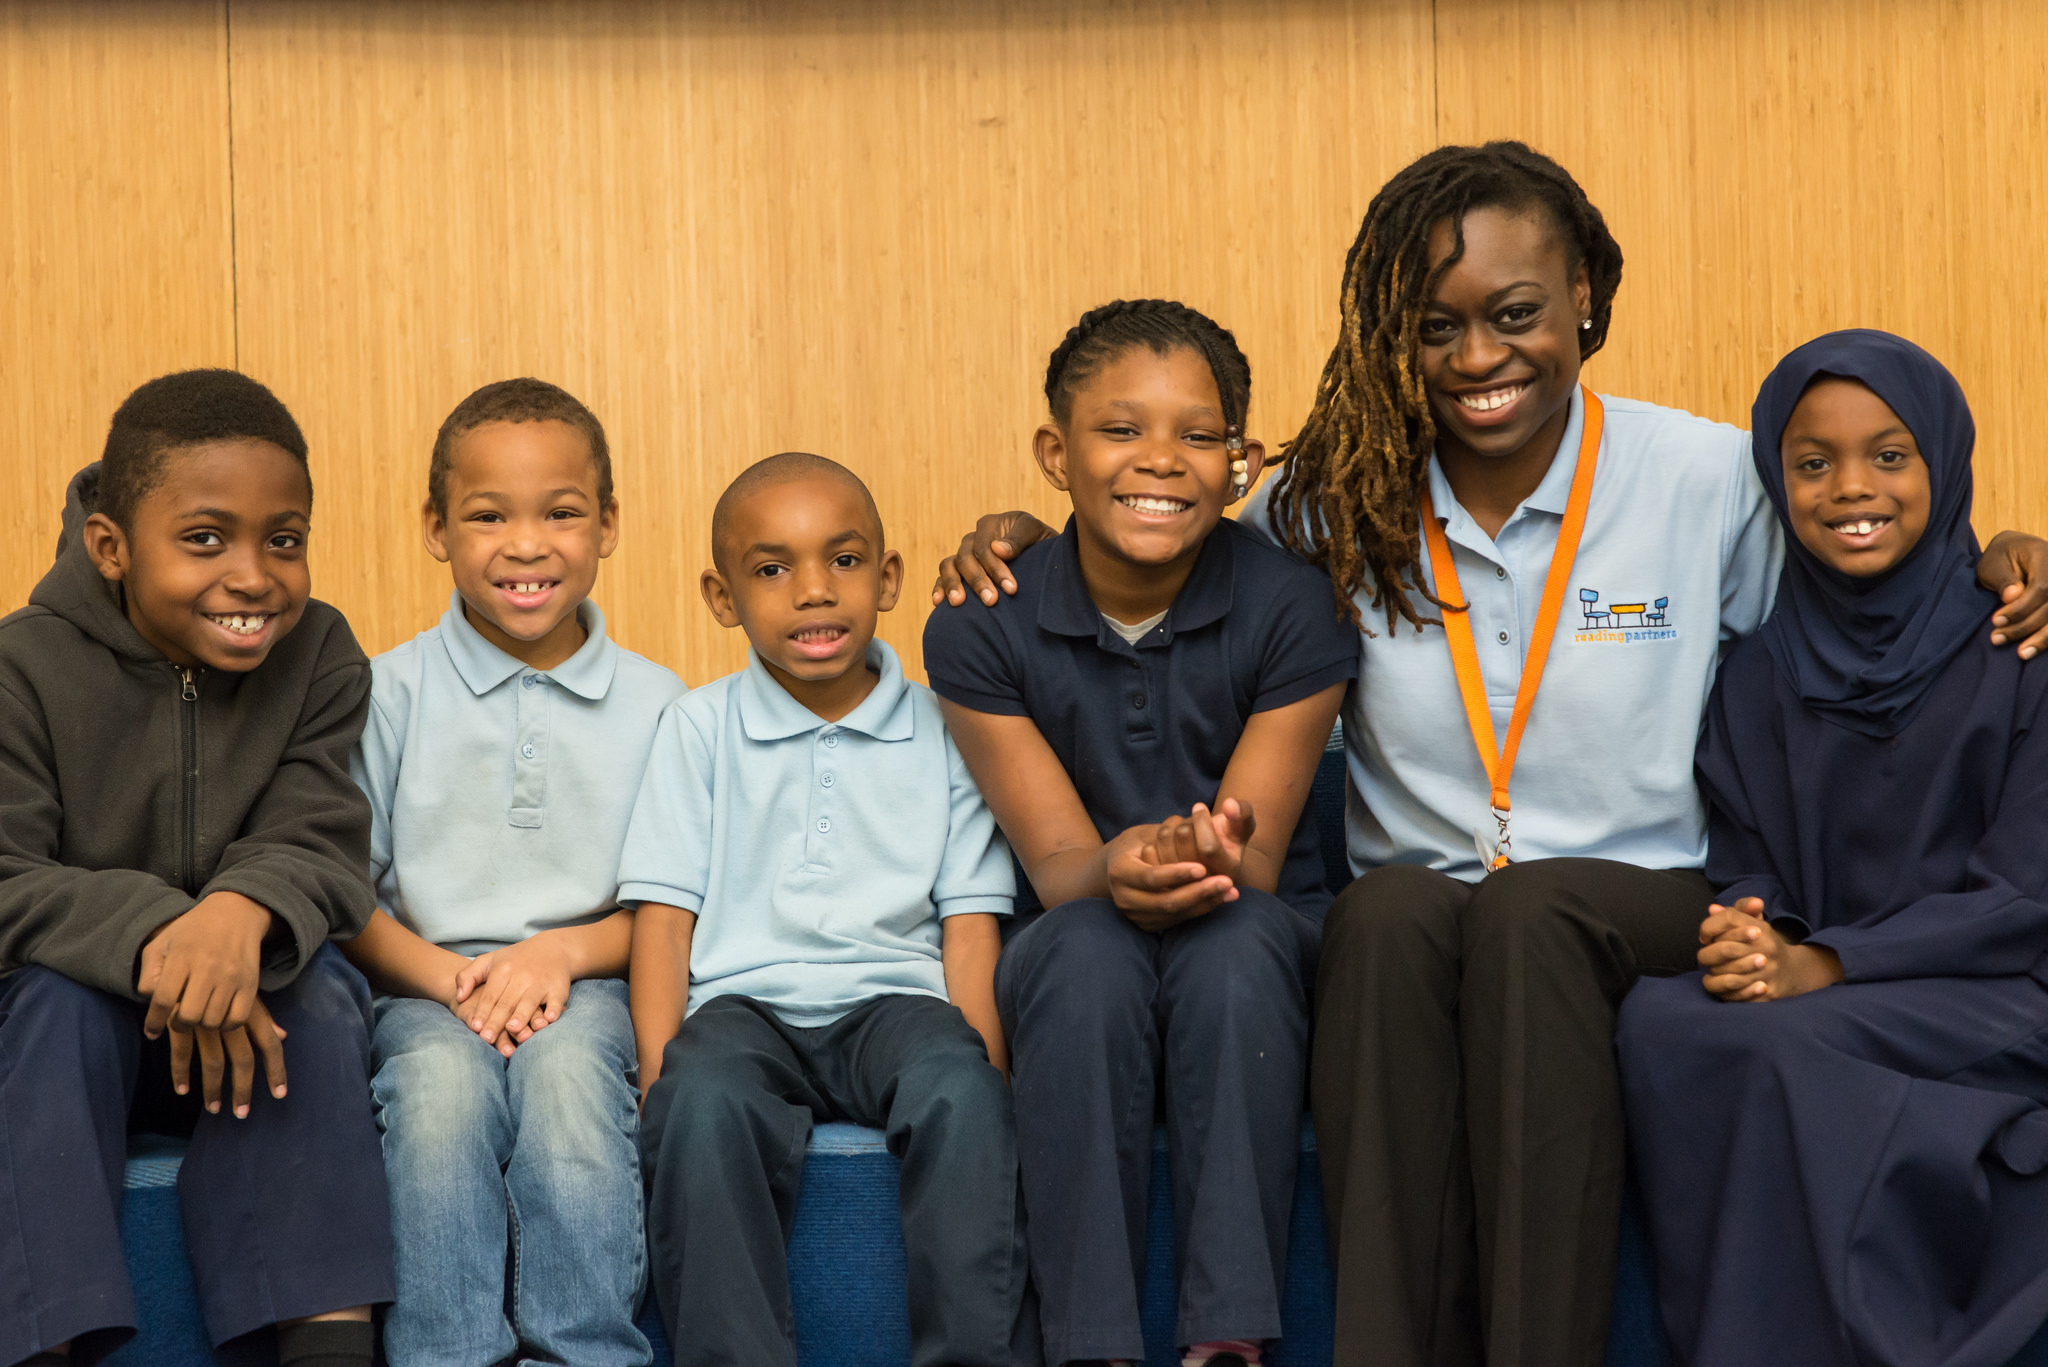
{"x": 1856, "y": 1175}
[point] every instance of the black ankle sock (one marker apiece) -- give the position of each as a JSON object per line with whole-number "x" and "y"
{"x": 47, "y": 1360}
{"x": 326, "y": 1343}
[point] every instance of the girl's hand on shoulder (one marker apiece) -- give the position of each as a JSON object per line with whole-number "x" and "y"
{"x": 507, "y": 994}
{"x": 982, "y": 562}
{"x": 2015, "y": 567}
{"x": 1155, "y": 890}
{"x": 1747, "y": 960}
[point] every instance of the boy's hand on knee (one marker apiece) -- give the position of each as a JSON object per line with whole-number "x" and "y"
{"x": 1747, "y": 960}
{"x": 507, "y": 994}
{"x": 202, "y": 969}
{"x": 230, "y": 1055}
{"x": 1155, "y": 895}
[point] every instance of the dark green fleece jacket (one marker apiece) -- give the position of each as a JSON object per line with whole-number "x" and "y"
{"x": 130, "y": 788}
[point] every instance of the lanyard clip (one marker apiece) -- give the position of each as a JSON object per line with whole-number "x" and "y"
{"x": 1503, "y": 843}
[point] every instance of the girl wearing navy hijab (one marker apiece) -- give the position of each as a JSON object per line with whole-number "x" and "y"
{"x": 1841, "y": 1121}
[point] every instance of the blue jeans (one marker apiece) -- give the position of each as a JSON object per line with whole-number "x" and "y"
{"x": 541, "y": 1150}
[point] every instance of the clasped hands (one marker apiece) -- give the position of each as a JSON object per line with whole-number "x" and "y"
{"x": 1747, "y": 960}
{"x": 1184, "y": 867}
{"x": 505, "y": 995}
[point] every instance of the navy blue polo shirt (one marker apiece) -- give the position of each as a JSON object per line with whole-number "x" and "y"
{"x": 1147, "y": 730}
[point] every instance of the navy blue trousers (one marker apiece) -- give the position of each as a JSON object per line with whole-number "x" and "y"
{"x": 285, "y": 1213}
{"x": 722, "y": 1143}
{"x": 1856, "y": 1177}
{"x": 1099, "y": 1015}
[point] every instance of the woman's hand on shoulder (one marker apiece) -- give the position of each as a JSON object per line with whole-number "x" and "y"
{"x": 1747, "y": 960}
{"x": 982, "y": 562}
{"x": 2015, "y": 567}
{"x": 1156, "y": 896}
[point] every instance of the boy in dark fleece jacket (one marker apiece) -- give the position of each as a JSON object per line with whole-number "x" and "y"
{"x": 178, "y": 838}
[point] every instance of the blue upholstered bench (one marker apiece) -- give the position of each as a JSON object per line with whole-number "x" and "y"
{"x": 846, "y": 1254}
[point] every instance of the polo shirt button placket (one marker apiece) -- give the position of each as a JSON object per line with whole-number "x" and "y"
{"x": 529, "y": 770}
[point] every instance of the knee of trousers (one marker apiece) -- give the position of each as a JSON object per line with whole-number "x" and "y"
{"x": 51, "y": 1022}
{"x": 1252, "y": 951}
{"x": 952, "y": 1083}
{"x": 1663, "y": 1020}
{"x": 708, "y": 1091}
{"x": 328, "y": 999}
{"x": 1081, "y": 967}
{"x": 1532, "y": 911}
{"x": 1393, "y": 921}
{"x": 569, "y": 1090}
{"x": 437, "y": 1087}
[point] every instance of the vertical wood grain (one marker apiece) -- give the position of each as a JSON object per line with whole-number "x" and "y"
{"x": 735, "y": 229}
{"x": 114, "y": 237}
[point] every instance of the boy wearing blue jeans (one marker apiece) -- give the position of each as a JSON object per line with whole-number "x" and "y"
{"x": 818, "y": 885}
{"x": 502, "y": 754}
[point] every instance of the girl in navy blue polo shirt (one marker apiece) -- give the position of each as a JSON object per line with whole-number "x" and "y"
{"x": 1144, "y": 716}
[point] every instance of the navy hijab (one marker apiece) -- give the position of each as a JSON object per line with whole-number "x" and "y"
{"x": 1862, "y": 652}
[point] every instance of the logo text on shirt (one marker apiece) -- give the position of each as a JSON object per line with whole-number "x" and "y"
{"x": 1620, "y": 622}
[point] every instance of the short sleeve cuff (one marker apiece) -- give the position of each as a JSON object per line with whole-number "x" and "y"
{"x": 631, "y": 895}
{"x": 974, "y": 700}
{"x": 1306, "y": 685}
{"x": 976, "y": 906}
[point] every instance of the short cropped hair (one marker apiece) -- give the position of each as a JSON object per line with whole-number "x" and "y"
{"x": 780, "y": 469}
{"x": 521, "y": 400}
{"x": 188, "y": 408}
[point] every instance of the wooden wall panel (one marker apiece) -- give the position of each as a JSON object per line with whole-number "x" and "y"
{"x": 1777, "y": 170}
{"x": 739, "y": 228}
{"x": 114, "y": 237}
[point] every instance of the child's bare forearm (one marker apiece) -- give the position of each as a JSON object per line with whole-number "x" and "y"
{"x": 660, "y": 973}
{"x": 969, "y": 947}
{"x": 1067, "y": 874}
{"x": 401, "y": 964}
{"x": 602, "y": 949}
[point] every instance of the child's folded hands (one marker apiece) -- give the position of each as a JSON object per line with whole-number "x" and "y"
{"x": 1747, "y": 960}
{"x": 1181, "y": 868}
{"x": 507, "y": 994}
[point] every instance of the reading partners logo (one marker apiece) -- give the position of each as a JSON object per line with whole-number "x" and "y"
{"x": 1623, "y": 623}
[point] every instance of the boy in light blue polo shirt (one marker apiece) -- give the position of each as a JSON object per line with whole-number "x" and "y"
{"x": 501, "y": 757}
{"x": 817, "y": 884}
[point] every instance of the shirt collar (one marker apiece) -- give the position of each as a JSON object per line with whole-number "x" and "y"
{"x": 768, "y": 712}
{"x": 1550, "y": 495}
{"x": 1066, "y": 609}
{"x": 587, "y": 673}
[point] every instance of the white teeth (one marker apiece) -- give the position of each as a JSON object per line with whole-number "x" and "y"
{"x": 534, "y": 587}
{"x": 1153, "y": 505}
{"x": 1491, "y": 399}
{"x": 241, "y": 623}
{"x": 1863, "y": 528}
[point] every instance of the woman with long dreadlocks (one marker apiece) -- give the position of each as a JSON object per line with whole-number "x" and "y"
{"x": 1544, "y": 580}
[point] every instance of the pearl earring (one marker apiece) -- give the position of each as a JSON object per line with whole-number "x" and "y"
{"x": 1240, "y": 473}
{"x": 1585, "y": 324}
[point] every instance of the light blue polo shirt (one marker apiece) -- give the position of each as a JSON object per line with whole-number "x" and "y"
{"x": 818, "y": 856}
{"x": 499, "y": 793}
{"x": 1680, "y": 557}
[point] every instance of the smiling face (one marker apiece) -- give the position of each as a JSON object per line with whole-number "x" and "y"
{"x": 1856, "y": 486}
{"x": 522, "y": 534}
{"x": 1500, "y": 338}
{"x": 212, "y": 567}
{"x": 1142, "y": 456}
{"x": 803, "y": 571}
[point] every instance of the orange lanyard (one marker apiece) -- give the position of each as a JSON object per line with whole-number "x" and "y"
{"x": 1499, "y": 762}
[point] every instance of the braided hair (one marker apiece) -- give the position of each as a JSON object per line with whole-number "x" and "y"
{"x": 1106, "y": 333}
{"x": 1350, "y": 496}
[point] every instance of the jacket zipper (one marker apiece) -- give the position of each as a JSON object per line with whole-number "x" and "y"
{"x": 189, "y": 745}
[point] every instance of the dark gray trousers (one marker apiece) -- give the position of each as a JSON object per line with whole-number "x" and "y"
{"x": 1467, "y": 1106}
{"x": 722, "y": 1148}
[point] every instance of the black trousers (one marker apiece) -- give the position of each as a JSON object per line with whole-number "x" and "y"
{"x": 285, "y": 1213}
{"x": 1467, "y": 1106}
{"x": 722, "y": 1148}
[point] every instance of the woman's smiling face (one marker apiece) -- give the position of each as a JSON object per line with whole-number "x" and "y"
{"x": 1500, "y": 337}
